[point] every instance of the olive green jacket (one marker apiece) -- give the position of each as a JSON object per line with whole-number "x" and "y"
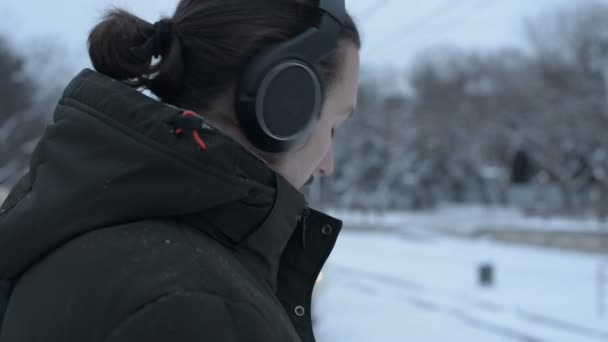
{"x": 124, "y": 230}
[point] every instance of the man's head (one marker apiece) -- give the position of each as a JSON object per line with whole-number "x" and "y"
{"x": 211, "y": 42}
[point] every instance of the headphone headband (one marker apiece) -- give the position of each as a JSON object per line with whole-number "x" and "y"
{"x": 335, "y": 8}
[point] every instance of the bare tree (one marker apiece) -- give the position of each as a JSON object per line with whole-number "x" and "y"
{"x": 25, "y": 108}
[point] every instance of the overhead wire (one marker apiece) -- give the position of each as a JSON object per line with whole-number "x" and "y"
{"x": 422, "y": 21}
{"x": 480, "y": 6}
{"x": 373, "y": 9}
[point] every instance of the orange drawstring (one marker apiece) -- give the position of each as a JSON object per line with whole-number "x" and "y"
{"x": 195, "y": 134}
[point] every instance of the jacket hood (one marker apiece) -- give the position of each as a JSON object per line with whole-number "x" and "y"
{"x": 111, "y": 157}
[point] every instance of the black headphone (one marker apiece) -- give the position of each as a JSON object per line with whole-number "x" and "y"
{"x": 281, "y": 90}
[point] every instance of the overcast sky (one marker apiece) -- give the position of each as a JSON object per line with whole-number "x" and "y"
{"x": 393, "y": 33}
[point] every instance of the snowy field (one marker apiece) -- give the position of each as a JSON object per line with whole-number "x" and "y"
{"x": 387, "y": 287}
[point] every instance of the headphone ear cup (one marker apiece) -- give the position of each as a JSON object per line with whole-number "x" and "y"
{"x": 279, "y": 101}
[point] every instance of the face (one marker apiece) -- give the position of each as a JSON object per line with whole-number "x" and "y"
{"x": 315, "y": 157}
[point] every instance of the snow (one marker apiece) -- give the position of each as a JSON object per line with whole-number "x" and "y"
{"x": 384, "y": 287}
{"x": 466, "y": 219}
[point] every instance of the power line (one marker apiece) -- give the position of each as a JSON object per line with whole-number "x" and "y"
{"x": 373, "y": 9}
{"x": 421, "y": 21}
{"x": 424, "y": 19}
{"x": 482, "y": 5}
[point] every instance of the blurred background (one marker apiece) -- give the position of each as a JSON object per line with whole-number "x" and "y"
{"x": 472, "y": 179}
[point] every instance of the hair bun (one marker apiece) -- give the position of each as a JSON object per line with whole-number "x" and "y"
{"x": 122, "y": 45}
{"x": 163, "y": 30}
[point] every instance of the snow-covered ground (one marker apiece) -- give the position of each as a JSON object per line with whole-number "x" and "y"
{"x": 466, "y": 219}
{"x": 387, "y": 287}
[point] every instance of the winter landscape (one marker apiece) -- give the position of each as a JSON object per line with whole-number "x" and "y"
{"x": 472, "y": 179}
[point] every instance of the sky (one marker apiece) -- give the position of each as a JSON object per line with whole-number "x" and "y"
{"x": 394, "y": 31}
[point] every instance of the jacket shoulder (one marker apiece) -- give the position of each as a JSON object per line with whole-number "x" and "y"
{"x": 193, "y": 316}
{"x": 152, "y": 257}
{"x": 89, "y": 285}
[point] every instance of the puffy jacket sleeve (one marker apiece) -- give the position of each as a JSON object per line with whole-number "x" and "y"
{"x": 193, "y": 317}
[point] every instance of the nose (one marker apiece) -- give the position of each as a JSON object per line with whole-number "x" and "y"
{"x": 326, "y": 168}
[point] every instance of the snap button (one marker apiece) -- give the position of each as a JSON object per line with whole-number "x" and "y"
{"x": 327, "y": 229}
{"x": 300, "y": 311}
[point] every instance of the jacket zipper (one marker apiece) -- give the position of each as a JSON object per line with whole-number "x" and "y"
{"x": 303, "y": 217}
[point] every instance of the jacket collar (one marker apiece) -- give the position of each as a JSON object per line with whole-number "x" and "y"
{"x": 232, "y": 194}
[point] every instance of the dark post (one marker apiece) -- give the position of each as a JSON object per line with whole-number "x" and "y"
{"x": 486, "y": 275}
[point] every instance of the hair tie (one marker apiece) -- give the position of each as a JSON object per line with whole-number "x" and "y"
{"x": 162, "y": 37}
